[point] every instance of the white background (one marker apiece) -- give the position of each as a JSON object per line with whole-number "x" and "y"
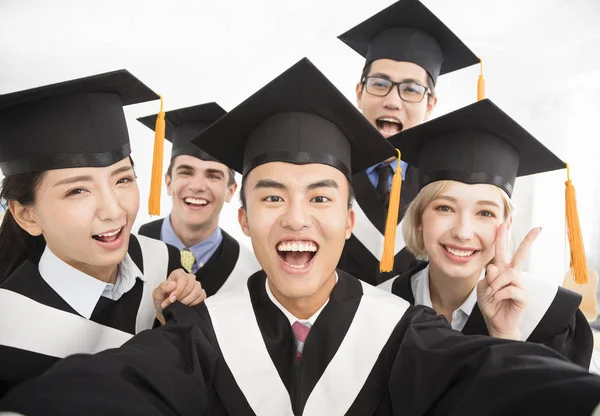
{"x": 542, "y": 66}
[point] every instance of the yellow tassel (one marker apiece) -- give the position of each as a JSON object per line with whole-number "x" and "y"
{"x": 578, "y": 260}
{"x": 157, "y": 163}
{"x": 481, "y": 82}
{"x": 389, "y": 240}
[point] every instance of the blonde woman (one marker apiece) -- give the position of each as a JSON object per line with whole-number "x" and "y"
{"x": 458, "y": 226}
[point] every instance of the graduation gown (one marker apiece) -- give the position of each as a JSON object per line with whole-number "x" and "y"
{"x": 552, "y": 316}
{"x": 229, "y": 266}
{"x": 411, "y": 363}
{"x": 364, "y": 248}
{"x": 38, "y": 327}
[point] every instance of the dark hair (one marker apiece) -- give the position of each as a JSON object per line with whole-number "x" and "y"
{"x": 16, "y": 244}
{"x": 367, "y": 69}
{"x": 243, "y": 197}
{"x": 230, "y": 181}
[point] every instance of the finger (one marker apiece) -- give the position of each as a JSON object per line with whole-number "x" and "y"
{"x": 517, "y": 295}
{"x": 505, "y": 279}
{"x": 501, "y": 259}
{"x": 181, "y": 279}
{"x": 194, "y": 298}
{"x": 490, "y": 276}
{"x": 161, "y": 292}
{"x": 190, "y": 285}
{"x": 195, "y": 293}
{"x": 522, "y": 252}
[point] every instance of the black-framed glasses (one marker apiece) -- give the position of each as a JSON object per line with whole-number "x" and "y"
{"x": 408, "y": 91}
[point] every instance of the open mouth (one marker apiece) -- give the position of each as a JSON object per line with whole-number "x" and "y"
{"x": 297, "y": 253}
{"x": 108, "y": 236}
{"x": 462, "y": 253}
{"x": 389, "y": 126}
{"x": 195, "y": 202}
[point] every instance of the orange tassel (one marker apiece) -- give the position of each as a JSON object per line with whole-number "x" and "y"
{"x": 389, "y": 240}
{"x": 157, "y": 163}
{"x": 481, "y": 82}
{"x": 578, "y": 260}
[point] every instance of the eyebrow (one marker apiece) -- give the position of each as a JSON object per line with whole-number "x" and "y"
{"x": 385, "y": 76}
{"x": 326, "y": 183}
{"x": 213, "y": 171}
{"x": 185, "y": 167}
{"x": 269, "y": 183}
{"x": 482, "y": 202}
{"x": 88, "y": 178}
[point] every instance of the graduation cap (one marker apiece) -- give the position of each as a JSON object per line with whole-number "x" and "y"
{"x": 481, "y": 144}
{"x": 300, "y": 117}
{"x": 407, "y": 31}
{"x": 184, "y": 124}
{"x": 77, "y": 123}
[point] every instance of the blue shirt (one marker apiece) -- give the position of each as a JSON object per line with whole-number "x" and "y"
{"x": 374, "y": 175}
{"x": 201, "y": 251}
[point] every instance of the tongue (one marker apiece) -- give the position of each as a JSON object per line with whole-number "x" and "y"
{"x": 389, "y": 127}
{"x": 297, "y": 258}
{"x": 107, "y": 239}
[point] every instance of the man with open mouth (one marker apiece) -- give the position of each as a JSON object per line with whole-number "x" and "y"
{"x": 199, "y": 185}
{"x": 406, "y": 48}
{"x": 302, "y": 338}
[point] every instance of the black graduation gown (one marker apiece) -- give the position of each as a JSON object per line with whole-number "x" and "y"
{"x": 18, "y": 365}
{"x": 425, "y": 368}
{"x": 563, "y": 327}
{"x": 356, "y": 258}
{"x": 217, "y": 270}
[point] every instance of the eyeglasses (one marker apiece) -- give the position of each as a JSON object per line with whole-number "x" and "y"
{"x": 408, "y": 91}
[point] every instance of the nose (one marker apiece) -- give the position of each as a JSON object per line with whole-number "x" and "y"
{"x": 197, "y": 184}
{"x": 109, "y": 207}
{"x": 295, "y": 217}
{"x": 392, "y": 101}
{"x": 463, "y": 229}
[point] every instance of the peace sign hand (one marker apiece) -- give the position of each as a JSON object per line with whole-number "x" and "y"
{"x": 501, "y": 295}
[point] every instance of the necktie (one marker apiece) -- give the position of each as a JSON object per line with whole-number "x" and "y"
{"x": 301, "y": 330}
{"x": 383, "y": 185}
{"x": 187, "y": 259}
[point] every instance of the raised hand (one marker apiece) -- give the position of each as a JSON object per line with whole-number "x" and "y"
{"x": 501, "y": 294}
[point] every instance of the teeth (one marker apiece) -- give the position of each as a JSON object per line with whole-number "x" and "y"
{"x": 111, "y": 234}
{"x": 297, "y": 246}
{"x": 391, "y": 120}
{"x": 460, "y": 253}
{"x": 296, "y": 266}
{"x": 196, "y": 201}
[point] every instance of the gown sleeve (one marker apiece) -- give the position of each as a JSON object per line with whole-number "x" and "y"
{"x": 438, "y": 371}
{"x": 165, "y": 371}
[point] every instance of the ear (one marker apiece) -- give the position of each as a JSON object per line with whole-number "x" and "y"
{"x": 509, "y": 223}
{"x": 168, "y": 181}
{"x": 230, "y": 192}
{"x": 431, "y": 103}
{"x": 350, "y": 221}
{"x": 359, "y": 94}
{"x": 25, "y": 217}
{"x": 243, "y": 220}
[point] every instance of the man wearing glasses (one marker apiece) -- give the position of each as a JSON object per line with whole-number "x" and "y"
{"x": 406, "y": 48}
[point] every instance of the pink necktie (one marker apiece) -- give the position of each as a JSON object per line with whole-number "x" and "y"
{"x": 301, "y": 330}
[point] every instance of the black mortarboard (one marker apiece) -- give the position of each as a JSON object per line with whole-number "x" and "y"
{"x": 479, "y": 143}
{"x": 184, "y": 124}
{"x": 408, "y": 31}
{"x": 300, "y": 117}
{"x": 77, "y": 123}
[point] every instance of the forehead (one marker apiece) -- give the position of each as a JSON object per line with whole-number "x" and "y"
{"x": 472, "y": 193}
{"x": 398, "y": 71}
{"x": 291, "y": 174}
{"x": 59, "y": 174}
{"x": 197, "y": 163}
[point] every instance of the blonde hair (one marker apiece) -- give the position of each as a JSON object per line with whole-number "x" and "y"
{"x": 413, "y": 218}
